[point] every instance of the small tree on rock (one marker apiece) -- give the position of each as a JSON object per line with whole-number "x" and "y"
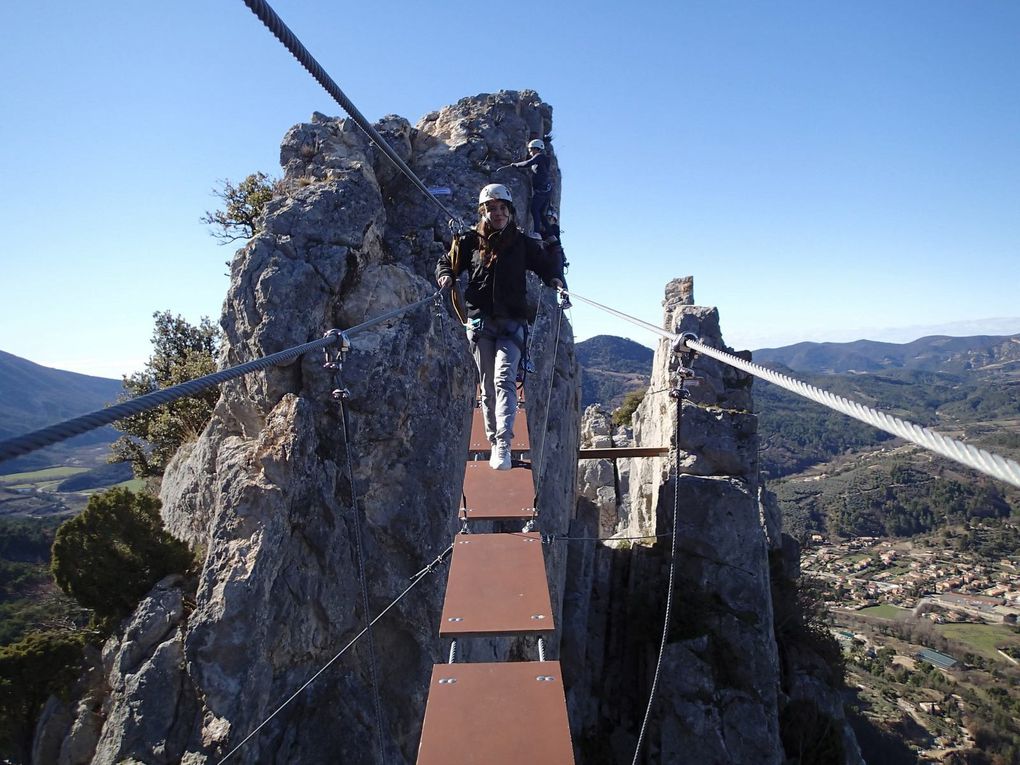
{"x": 111, "y": 554}
{"x": 181, "y": 352}
{"x": 243, "y": 205}
{"x": 630, "y": 404}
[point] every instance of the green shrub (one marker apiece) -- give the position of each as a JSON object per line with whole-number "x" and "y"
{"x": 630, "y": 404}
{"x": 181, "y": 352}
{"x": 39, "y": 665}
{"x": 110, "y": 556}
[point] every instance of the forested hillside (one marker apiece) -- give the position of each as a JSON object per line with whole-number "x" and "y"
{"x": 612, "y": 367}
{"x": 835, "y": 475}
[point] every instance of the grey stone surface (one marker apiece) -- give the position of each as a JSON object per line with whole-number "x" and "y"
{"x": 721, "y": 685}
{"x": 266, "y": 493}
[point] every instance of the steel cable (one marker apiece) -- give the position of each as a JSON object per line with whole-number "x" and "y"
{"x": 540, "y": 479}
{"x": 359, "y": 551}
{"x": 420, "y": 576}
{"x": 672, "y": 576}
{"x": 983, "y": 461}
{"x": 275, "y": 24}
{"x": 979, "y": 459}
{"x": 441, "y": 313}
{"x": 61, "y": 431}
{"x": 626, "y": 317}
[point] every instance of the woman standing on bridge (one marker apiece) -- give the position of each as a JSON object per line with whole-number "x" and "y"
{"x": 497, "y": 254}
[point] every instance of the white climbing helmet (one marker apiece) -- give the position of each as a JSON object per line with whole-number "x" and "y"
{"x": 536, "y": 144}
{"x": 493, "y": 192}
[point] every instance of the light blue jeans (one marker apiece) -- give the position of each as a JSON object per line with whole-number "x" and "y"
{"x": 496, "y": 345}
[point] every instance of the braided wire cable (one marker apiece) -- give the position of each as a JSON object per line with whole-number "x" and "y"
{"x": 61, "y": 431}
{"x": 37, "y": 439}
{"x": 282, "y": 32}
{"x": 672, "y": 576}
{"x": 359, "y": 552}
{"x": 540, "y": 479}
{"x": 441, "y": 313}
{"x": 983, "y": 461}
{"x": 563, "y": 538}
{"x": 626, "y": 317}
{"x": 419, "y": 577}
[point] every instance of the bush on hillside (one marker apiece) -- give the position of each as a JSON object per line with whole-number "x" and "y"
{"x": 40, "y": 665}
{"x": 243, "y": 205}
{"x": 630, "y": 404}
{"x": 108, "y": 557}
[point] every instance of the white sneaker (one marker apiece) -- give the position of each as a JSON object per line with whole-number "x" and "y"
{"x": 500, "y": 459}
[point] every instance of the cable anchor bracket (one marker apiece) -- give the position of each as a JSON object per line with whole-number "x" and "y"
{"x": 684, "y": 376}
{"x": 335, "y": 362}
{"x": 563, "y": 297}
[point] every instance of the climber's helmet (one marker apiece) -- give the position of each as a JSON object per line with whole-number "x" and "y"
{"x": 536, "y": 145}
{"x": 495, "y": 191}
{"x": 492, "y": 198}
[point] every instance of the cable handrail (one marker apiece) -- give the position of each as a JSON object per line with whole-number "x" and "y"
{"x": 420, "y": 576}
{"x": 983, "y": 461}
{"x": 282, "y": 32}
{"x": 667, "y": 616}
{"x": 61, "y": 431}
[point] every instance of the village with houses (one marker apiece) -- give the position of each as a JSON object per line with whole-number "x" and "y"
{"x": 930, "y": 638}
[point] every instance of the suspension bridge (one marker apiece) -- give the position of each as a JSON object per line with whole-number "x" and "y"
{"x": 497, "y": 583}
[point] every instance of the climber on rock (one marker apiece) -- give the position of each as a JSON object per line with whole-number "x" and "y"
{"x": 541, "y": 183}
{"x": 497, "y": 254}
{"x": 552, "y": 233}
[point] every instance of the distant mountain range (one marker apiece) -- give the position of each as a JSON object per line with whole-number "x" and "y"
{"x": 836, "y": 475}
{"x": 998, "y": 354}
{"x": 33, "y": 396}
{"x": 613, "y": 366}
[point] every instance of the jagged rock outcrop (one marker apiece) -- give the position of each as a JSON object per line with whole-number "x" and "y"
{"x": 267, "y": 490}
{"x": 723, "y": 682}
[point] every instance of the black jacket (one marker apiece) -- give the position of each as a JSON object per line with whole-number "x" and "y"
{"x": 500, "y": 289}
{"x": 539, "y": 164}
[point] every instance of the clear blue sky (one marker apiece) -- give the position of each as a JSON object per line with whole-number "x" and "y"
{"x": 825, "y": 170}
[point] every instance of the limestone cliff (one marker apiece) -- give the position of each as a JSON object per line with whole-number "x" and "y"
{"x": 726, "y": 682}
{"x": 265, "y": 492}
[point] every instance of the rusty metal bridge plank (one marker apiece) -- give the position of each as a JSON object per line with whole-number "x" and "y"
{"x": 479, "y": 443}
{"x": 496, "y": 714}
{"x": 497, "y": 495}
{"x": 496, "y": 586}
